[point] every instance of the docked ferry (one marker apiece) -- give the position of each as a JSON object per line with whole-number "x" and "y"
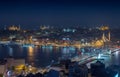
{"x": 28, "y": 45}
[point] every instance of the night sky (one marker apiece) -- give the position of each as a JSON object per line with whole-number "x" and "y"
{"x": 59, "y": 12}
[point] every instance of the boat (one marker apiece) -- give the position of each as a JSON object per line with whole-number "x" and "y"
{"x": 28, "y": 45}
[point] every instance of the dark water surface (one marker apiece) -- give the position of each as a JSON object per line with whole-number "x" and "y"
{"x": 43, "y": 56}
{"x": 36, "y": 56}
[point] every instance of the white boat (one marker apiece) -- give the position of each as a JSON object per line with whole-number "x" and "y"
{"x": 28, "y": 45}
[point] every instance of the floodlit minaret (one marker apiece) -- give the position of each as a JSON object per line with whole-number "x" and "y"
{"x": 103, "y": 37}
{"x": 109, "y": 36}
{"x": 19, "y": 27}
{"x": 106, "y": 38}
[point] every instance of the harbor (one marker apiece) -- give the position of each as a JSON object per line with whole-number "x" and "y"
{"x": 105, "y": 55}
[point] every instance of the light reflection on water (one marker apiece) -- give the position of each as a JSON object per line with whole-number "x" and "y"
{"x": 31, "y": 55}
{"x": 42, "y": 56}
{"x": 115, "y": 58}
{"x": 30, "y": 51}
{"x": 37, "y": 56}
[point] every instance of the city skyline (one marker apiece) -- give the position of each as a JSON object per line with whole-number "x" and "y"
{"x": 59, "y": 12}
{"x": 59, "y": 38}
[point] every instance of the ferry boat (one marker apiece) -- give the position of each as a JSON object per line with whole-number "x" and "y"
{"x": 28, "y": 45}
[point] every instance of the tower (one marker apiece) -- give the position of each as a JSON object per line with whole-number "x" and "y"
{"x": 106, "y": 39}
{"x": 103, "y": 37}
{"x": 109, "y": 36}
{"x": 19, "y": 27}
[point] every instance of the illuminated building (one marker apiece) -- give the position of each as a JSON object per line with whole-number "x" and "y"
{"x": 99, "y": 43}
{"x": 14, "y": 28}
{"x": 44, "y": 27}
{"x": 3, "y": 66}
{"x": 103, "y": 28}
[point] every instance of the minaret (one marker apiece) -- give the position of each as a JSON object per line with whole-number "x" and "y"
{"x": 109, "y": 36}
{"x": 103, "y": 37}
{"x": 19, "y": 27}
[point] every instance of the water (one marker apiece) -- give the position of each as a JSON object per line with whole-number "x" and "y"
{"x": 37, "y": 56}
{"x": 115, "y": 58}
{"x": 43, "y": 56}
